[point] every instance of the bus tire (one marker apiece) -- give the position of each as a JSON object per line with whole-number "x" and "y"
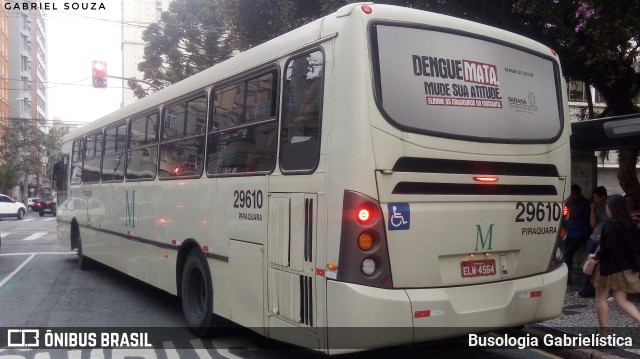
{"x": 196, "y": 294}
{"x": 84, "y": 263}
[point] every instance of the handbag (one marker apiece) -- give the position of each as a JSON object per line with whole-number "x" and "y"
{"x": 589, "y": 265}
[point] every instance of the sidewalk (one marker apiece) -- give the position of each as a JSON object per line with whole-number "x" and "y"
{"x": 579, "y": 317}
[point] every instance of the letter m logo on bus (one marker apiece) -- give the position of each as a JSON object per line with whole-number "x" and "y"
{"x": 484, "y": 239}
{"x": 130, "y": 208}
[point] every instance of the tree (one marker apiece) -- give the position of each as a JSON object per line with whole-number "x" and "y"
{"x": 53, "y": 144}
{"x": 251, "y": 23}
{"x": 598, "y": 43}
{"x": 188, "y": 39}
{"x": 14, "y": 159}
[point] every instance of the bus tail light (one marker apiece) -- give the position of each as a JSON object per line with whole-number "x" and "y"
{"x": 557, "y": 256}
{"x": 364, "y": 254}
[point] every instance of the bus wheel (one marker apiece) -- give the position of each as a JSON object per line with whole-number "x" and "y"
{"x": 84, "y": 263}
{"x": 197, "y": 294}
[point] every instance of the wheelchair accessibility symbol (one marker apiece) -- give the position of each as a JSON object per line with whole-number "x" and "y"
{"x": 399, "y": 216}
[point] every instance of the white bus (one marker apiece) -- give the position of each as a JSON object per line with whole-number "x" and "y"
{"x": 380, "y": 167}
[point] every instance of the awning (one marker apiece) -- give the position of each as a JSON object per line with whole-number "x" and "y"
{"x": 608, "y": 133}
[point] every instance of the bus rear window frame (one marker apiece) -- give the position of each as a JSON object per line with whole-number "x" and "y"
{"x": 377, "y": 86}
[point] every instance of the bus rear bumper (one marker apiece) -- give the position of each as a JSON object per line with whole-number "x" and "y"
{"x": 361, "y": 317}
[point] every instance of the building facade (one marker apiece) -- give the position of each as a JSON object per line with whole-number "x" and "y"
{"x": 4, "y": 64}
{"x": 136, "y": 16}
{"x": 606, "y": 164}
{"x": 26, "y": 84}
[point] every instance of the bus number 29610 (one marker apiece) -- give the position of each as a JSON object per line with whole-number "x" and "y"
{"x": 539, "y": 212}
{"x": 248, "y": 199}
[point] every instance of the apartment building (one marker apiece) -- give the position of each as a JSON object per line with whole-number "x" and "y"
{"x": 136, "y": 16}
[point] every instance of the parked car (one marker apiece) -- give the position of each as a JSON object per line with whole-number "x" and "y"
{"x": 11, "y": 208}
{"x": 44, "y": 206}
{"x": 30, "y": 203}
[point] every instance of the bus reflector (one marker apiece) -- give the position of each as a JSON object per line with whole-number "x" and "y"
{"x": 320, "y": 272}
{"x": 532, "y": 294}
{"x": 365, "y": 241}
{"x": 422, "y": 314}
{"x": 332, "y": 266}
{"x": 366, "y": 9}
{"x": 485, "y": 179}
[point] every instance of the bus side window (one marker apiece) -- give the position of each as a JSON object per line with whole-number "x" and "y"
{"x": 302, "y": 110}
{"x": 142, "y": 154}
{"x": 182, "y": 140}
{"x": 92, "y": 158}
{"x": 243, "y": 133}
{"x": 76, "y": 162}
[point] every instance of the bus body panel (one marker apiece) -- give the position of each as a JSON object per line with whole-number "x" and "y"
{"x": 366, "y": 317}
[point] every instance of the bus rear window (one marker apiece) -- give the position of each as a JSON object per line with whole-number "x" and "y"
{"x": 461, "y": 87}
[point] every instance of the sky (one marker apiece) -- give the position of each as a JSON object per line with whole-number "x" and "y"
{"x": 76, "y": 38}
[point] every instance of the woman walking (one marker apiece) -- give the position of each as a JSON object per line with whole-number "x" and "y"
{"x": 617, "y": 270}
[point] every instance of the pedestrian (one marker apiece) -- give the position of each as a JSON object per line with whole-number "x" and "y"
{"x": 634, "y": 210}
{"x": 578, "y": 227}
{"x": 597, "y": 218}
{"x": 617, "y": 269}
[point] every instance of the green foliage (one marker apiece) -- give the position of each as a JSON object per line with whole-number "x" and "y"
{"x": 188, "y": 39}
{"x": 598, "y": 43}
{"x": 14, "y": 156}
{"x": 251, "y": 23}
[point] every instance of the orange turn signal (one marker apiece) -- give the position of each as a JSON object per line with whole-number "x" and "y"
{"x": 365, "y": 241}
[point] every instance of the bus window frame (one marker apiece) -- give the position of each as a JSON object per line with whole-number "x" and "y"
{"x": 372, "y": 38}
{"x": 114, "y": 125}
{"x": 290, "y": 58}
{"x": 156, "y": 144}
{"x": 85, "y": 157}
{"x": 276, "y": 71}
{"x": 79, "y": 161}
{"x": 161, "y": 141}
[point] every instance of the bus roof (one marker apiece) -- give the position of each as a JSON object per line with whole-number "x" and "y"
{"x": 295, "y": 40}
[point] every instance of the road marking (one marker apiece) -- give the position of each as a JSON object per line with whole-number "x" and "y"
{"x": 4, "y": 234}
{"x": 28, "y": 219}
{"x": 12, "y": 274}
{"x": 26, "y": 254}
{"x": 50, "y": 219}
{"x": 170, "y": 350}
{"x": 35, "y": 236}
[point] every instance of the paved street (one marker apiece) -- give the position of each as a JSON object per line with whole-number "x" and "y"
{"x": 41, "y": 286}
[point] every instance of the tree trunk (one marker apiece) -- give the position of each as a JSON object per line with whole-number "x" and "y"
{"x": 627, "y": 173}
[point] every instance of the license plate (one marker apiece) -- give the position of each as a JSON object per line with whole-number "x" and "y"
{"x": 479, "y": 268}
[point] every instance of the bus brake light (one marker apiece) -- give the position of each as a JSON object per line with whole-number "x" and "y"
{"x": 565, "y": 210}
{"x": 364, "y": 215}
{"x": 485, "y": 179}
